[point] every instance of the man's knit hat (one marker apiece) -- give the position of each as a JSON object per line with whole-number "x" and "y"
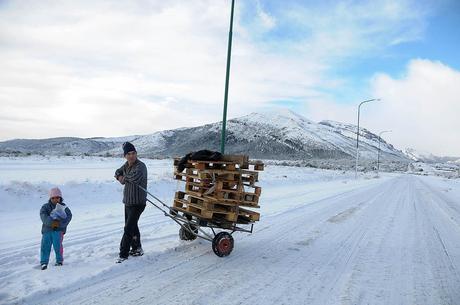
{"x": 128, "y": 147}
{"x": 55, "y": 192}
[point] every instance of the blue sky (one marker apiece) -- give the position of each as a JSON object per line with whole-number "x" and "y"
{"x": 73, "y": 68}
{"x": 436, "y": 37}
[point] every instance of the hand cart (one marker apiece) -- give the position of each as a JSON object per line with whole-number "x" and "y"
{"x": 191, "y": 227}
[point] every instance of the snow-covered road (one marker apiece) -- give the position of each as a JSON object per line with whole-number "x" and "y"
{"x": 393, "y": 240}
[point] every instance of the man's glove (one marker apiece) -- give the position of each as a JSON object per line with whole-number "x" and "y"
{"x": 55, "y": 224}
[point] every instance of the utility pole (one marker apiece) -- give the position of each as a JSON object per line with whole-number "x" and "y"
{"x": 227, "y": 78}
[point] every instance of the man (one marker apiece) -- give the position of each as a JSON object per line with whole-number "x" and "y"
{"x": 132, "y": 175}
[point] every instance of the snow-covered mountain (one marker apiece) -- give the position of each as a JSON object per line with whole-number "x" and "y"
{"x": 427, "y": 157}
{"x": 56, "y": 146}
{"x": 282, "y": 135}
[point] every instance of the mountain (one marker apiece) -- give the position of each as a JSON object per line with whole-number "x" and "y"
{"x": 282, "y": 135}
{"x": 427, "y": 157}
{"x": 55, "y": 146}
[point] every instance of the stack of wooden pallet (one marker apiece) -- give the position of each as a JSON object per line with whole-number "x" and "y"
{"x": 220, "y": 190}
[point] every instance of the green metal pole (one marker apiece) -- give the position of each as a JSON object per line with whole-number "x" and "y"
{"x": 227, "y": 78}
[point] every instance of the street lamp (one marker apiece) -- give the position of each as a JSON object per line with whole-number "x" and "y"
{"x": 357, "y": 135}
{"x": 378, "y": 152}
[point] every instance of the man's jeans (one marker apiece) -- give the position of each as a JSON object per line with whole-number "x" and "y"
{"x": 131, "y": 236}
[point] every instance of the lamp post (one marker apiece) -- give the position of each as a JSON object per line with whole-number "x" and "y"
{"x": 357, "y": 134}
{"x": 378, "y": 151}
{"x": 227, "y": 77}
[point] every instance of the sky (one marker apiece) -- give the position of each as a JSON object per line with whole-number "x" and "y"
{"x": 116, "y": 68}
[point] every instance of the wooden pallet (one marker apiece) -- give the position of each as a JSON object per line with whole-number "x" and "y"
{"x": 228, "y": 162}
{"x": 248, "y": 178}
{"x": 235, "y": 215}
{"x": 206, "y": 211}
{"x": 201, "y": 164}
{"x": 183, "y": 206}
{"x": 211, "y": 201}
{"x": 218, "y": 190}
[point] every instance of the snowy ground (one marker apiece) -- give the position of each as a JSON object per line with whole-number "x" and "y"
{"x": 324, "y": 238}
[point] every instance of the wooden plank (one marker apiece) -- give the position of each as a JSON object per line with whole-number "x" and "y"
{"x": 184, "y": 176}
{"x": 192, "y": 174}
{"x": 213, "y": 209}
{"x": 205, "y": 212}
{"x": 233, "y": 202}
{"x": 249, "y": 197}
{"x": 222, "y": 162}
{"x": 227, "y": 185}
{"x": 227, "y": 196}
{"x": 193, "y": 208}
{"x": 217, "y": 165}
{"x": 197, "y": 199}
{"x": 193, "y": 212}
{"x": 239, "y": 159}
{"x": 259, "y": 167}
{"x": 232, "y": 197}
{"x": 237, "y": 195}
{"x": 256, "y": 165}
{"x": 179, "y": 195}
{"x": 190, "y": 188}
{"x": 211, "y": 202}
{"x": 231, "y": 217}
{"x": 250, "y": 177}
{"x": 251, "y": 215}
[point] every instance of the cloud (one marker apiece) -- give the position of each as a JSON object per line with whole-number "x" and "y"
{"x": 421, "y": 108}
{"x": 106, "y": 68}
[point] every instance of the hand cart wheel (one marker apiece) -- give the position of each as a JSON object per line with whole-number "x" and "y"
{"x": 222, "y": 244}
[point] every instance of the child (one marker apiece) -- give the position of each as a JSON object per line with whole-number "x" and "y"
{"x": 55, "y": 217}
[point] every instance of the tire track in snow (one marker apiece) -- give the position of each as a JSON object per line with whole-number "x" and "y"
{"x": 437, "y": 228}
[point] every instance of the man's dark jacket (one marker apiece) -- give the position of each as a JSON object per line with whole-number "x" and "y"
{"x": 134, "y": 175}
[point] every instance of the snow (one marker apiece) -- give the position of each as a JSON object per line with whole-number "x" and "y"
{"x": 323, "y": 238}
